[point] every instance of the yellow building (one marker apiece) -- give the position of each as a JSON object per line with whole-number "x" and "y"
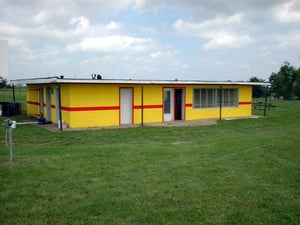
{"x": 103, "y": 102}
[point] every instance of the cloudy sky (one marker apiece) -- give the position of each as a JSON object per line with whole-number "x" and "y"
{"x": 150, "y": 39}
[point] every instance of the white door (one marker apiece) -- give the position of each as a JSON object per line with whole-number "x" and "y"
{"x": 126, "y": 106}
{"x": 168, "y": 104}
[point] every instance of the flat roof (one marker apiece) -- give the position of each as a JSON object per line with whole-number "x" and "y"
{"x": 60, "y": 80}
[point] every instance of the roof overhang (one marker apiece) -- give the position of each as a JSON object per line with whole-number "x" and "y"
{"x": 59, "y": 80}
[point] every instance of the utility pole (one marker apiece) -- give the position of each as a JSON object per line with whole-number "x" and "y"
{"x": 9, "y": 124}
{"x": 10, "y": 144}
{"x": 266, "y": 101}
{"x": 221, "y": 98}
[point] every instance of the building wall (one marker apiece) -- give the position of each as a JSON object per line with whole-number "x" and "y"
{"x": 92, "y": 105}
{"x": 32, "y": 100}
{"x": 98, "y": 105}
{"x": 244, "y": 104}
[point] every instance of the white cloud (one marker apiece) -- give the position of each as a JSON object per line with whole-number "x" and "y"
{"x": 113, "y": 25}
{"x": 197, "y": 28}
{"x": 9, "y": 29}
{"x": 155, "y": 55}
{"x": 41, "y": 17}
{"x": 81, "y": 23}
{"x": 227, "y": 40}
{"x": 264, "y": 51}
{"x": 163, "y": 53}
{"x": 222, "y": 32}
{"x": 290, "y": 40}
{"x": 115, "y": 43}
{"x": 287, "y": 13}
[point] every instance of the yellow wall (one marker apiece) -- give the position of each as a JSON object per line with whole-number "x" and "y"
{"x": 85, "y": 101}
{"x": 107, "y": 95}
{"x": 244, "y": 109}
{"x": 97, "y": 105}
{"x": 32, "y": 98}
{"x": 152, "y": 101}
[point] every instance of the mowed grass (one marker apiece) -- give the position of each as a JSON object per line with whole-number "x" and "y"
{"x": 243, "y": 171}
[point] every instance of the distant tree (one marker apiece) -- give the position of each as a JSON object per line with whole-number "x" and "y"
{"x": 257, "y": 91}
{"x": 297, "y": 84}
{"x": 283, "y": 82}
{"x": 3, "y": 82}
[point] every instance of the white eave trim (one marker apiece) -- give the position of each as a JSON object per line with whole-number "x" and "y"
{"x": 56, "y": 80}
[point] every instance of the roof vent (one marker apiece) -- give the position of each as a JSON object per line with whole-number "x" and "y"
{"x": 96, "y": 76}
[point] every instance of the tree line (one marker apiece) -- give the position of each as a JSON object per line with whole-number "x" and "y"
{"x": 285, "y": 83}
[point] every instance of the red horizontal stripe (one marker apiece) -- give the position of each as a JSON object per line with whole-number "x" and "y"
{"x": 32, "y": 103}
{"x": 90, "y": 108}
{"x": 189, "y": 105}
{"x": 148, "y": 106}
{"x": 245, "y": 103}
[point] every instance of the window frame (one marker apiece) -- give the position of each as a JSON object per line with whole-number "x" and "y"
{"x": 209, "y": 98}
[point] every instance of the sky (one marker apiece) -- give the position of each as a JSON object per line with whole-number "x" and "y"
{"x": 210, "y": 40}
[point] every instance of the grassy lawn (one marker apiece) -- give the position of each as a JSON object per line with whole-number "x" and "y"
{"x": 236, "y": 172}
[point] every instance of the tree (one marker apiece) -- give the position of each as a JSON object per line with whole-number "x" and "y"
{"x": 297, "y": 84}
{"x": 3, "y": 82}
{"x": 258, "y": 91}
{"x": 283, "y": 82}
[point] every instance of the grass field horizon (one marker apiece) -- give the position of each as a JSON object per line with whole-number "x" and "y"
{"x": 244, "y": 171}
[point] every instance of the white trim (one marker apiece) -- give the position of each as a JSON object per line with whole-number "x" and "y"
{"x": 57, "y": 80}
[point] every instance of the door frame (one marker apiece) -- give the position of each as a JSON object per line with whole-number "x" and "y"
{"x": 173, "y": 103}
{"x": 132, "y": 105}
{"x": 182, "y": 104}
{"x": 166, "y": 117}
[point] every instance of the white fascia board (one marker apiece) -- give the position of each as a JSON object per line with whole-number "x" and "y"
{"x": 35, "y": 81}
{"x": 165, "y": 82}
{"x": 56, "y": 80}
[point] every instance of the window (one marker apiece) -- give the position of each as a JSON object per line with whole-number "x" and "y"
{"x": 167, "y": 102}
{"x": 210, "y": 98}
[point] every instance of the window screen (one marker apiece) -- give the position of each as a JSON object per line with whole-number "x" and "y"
{"x": 210, "y": 97}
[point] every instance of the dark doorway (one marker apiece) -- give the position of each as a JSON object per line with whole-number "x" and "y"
{"x": 179, "y": 102}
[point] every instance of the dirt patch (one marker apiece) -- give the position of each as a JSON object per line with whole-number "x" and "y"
{"x": 178, "y": 123}
{"x": 15, "y": 162}
{"x": 181, "y": 123}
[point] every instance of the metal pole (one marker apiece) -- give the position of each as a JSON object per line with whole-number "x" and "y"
{"x": 266, "y": 100}
{"x": 220, "y": 96}
{"x": 14, "y": 95}
{"x": 59, "y": 103}
{"x": 142, "y": 106}
{"x": 10, "y": 144}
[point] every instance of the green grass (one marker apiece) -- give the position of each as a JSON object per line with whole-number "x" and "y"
{"x": 237, "y": 172}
